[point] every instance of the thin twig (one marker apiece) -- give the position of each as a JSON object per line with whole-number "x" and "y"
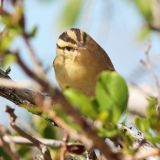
{"x": 143, "y": 155}
{"x": 154, "y": 27}
{"x": 8, "y": 83}
{"x": 64, "y": 146}
{"x": 1, "y": 6}
{"x": 148, "y": 64}
{"x": 21, "y": 140}
{"x": 29, "y": 72}
{"x": 76, "y": 148}
{"x": 155, "y": 8}
{"x": 44, "y": 151}
{"x": 73, "y": 133}
{"x": 9, "y": 146}
{"x": 35, "y": 61}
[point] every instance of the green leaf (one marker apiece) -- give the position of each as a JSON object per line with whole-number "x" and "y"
{"x": 44, "y": 128}
{"x": 3, "y": 73}
{"x": 24, "y": 151}
{"x": 8, "y": 59}
{"x": 154, "y": 139}
{"x": 8, "y": 70}
{"x": 11, "y": 23}
{"x": 6, "y": 38}
{"x": 4, "y": 154}
{"x": 145, "y": 8}
{"x": 142, "y": 124}
{"x": 70, "y": 13}
{"x": 108, "y": 130}
{"x": 58, "y": 111}
{"x": 82, "y": 102}
{"x": 112, "y": 95}
{"x": 33, "y": 32}
{"x": 144, "y": 33}
{"x": 150, "y": 124}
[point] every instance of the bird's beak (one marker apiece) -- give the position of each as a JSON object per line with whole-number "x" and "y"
{"x": 81, "y": 46}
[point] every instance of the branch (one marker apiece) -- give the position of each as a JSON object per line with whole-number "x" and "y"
{"x": 1, "y": 6}
{"x": 154, "y": 27}
{"x": 155, "y": 152}
{"x": 8, "y": 83}
{"x": 76, "y": 148}
{"x": 44, "y": 150}
{"x": 35, "y": 60}
{"x": 21, "y": 140}
{"x": 18, "y": 96}
{"x": 8, "y": 147}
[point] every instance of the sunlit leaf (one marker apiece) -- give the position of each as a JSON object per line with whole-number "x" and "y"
{"x": 108, "y": 130}
{"x": 149, "y": 125}
{"x": 81, "y": 101}
{"x": 8, "y": 59}
{"x": 142, "y": 124}
{"x": 154, "y": 139}
{"x": 112, "y": 94}
{"x": 144, "y": 6}
{"x": 6, "y": 38}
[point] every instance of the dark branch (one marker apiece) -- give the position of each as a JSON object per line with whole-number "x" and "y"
{"x": 18, "y": 96}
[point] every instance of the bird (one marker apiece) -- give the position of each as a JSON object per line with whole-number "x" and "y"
{"x": 79, "y": 61}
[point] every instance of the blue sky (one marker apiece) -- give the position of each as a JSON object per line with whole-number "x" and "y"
{"x": 114, "y": 24}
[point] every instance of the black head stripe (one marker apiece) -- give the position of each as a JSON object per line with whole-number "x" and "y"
{"x": 77, "y": 32}
{"x": 84, "y": 37}
{"x": 64, "y": 36}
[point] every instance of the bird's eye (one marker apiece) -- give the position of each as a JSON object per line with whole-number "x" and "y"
{"x": 68, "y": 48}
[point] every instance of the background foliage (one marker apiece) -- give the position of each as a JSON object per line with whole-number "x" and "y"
{"x": 108, "y": 107}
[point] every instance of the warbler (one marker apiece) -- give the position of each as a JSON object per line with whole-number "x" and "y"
{"x": 79, "y": 60}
